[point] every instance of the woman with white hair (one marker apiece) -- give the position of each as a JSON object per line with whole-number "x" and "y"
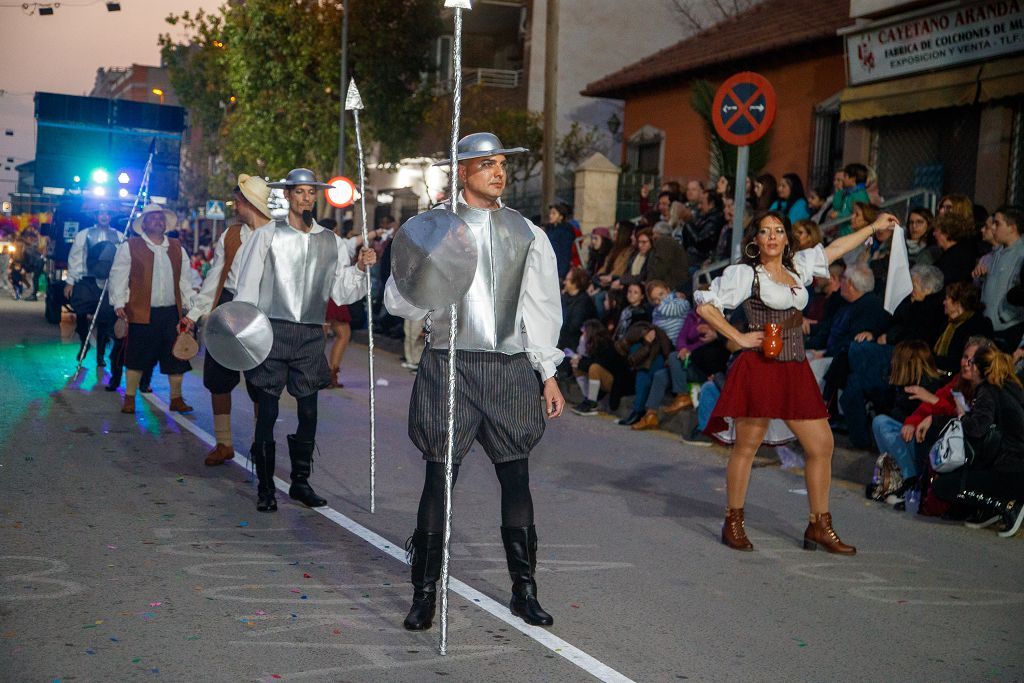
{"x": 770, "y": 380}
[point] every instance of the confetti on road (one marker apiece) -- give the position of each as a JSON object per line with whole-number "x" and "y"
{"x": 111, "y": 547}
{"x": 90, "y": 651}
{"x": 306, "y": 576}
{"x": 155, "y": 604}
{"x": 295, "y": 590}
{"x": 800, "y": 643}
{"x": 243, "y": 523}
{"x": 799, "y": 492}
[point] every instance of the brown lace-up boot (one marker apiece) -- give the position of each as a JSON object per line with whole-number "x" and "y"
{"x": 733, "y": 534}
{"x": 820, "y": 532}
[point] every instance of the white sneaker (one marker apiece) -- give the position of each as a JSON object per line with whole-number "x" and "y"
{"x": 410, "y": 366}
{"x": 984, "y": 522}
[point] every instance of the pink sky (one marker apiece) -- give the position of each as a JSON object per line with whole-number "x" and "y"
{"x": 61, "y": 53}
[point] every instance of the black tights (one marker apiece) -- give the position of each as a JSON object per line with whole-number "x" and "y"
{"x": 266, "y": 416}
{"x": 516, "y": 501}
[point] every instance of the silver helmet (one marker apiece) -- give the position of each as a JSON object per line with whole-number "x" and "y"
{"x": 476, "y": 145}
{"x": 296, "y": 177}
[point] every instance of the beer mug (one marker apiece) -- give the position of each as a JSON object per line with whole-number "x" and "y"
{"x": 771, "y": 345}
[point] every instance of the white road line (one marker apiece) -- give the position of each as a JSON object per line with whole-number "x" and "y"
{"x": 592, "y": 666}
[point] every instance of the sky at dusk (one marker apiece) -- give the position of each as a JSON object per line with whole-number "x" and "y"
{"x": 60, "y": 53}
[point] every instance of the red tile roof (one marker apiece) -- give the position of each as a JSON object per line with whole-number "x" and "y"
{"x": 767, "y": 27}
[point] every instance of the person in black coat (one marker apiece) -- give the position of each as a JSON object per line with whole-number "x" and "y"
{"x": 577, "y": 308}
{"x": 954, "y": 235}
{"x": 561, "y": 236}
{"x": 993, "y": 481}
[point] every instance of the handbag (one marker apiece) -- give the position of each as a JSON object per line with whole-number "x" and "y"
{"x": 185, "y": 346}
{"x": 950, "y": 451}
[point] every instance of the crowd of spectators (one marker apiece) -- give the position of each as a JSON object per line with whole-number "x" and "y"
{"x": 630, "y": 329}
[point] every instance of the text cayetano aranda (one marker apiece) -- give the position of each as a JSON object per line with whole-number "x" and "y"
{"x": 963, "y": 17}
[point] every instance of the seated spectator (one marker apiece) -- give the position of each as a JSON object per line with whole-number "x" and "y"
{"x": 854, "y": 189}
{"x": 577, "y": 308}
{"x": 694, "y": 192}
{"x": 599, "y": 368}
{"x": 791, "y": 201}
{"x": 825, "y": 299}
{"x": 636, "y": 270}
{"x": 863, "y": 215}
{"x": 723, "y": 186}
{"x": 912, "y": 366}
{"x": 876, "y": 255}
{"x": 986, "y": 240}
{"x": 669, "y": 309}
{"x": 1002, "y": 275}
{"x": 964, "y": 320}
{"x": 646, "y": 349}
{"x": 598, "y": 249}
{"x": 831, "y": 339}
{"x": 807, "y": 234}
{"x": 667, "y": 261}
{"x": 921, "y": 247}
{"x": 993, "y": 483}
{"x": 819, "y": 203}
{"x": 723, "y": 248}
{"x": 953, "y": 235}
{"x": 702, "y": 234}
{"x": 700, "y": 353}
{"x": 679, "y": 216}
{"x": 959, "y": 204}
{"x": 636, "y": 310}
{"x": 562, "y": 237}
{"x": 618, "y": 258}
{"x": 765, "y": 191}
{"x": 919, "y": 317}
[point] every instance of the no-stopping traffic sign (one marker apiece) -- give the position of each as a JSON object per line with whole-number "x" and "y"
{"x": 744, "y": 108}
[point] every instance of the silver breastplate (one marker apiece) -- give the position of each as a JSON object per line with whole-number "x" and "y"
{"x": 298, "y": 275}
{"x": 489, "y": 315}
{"x": 98, "y": 261}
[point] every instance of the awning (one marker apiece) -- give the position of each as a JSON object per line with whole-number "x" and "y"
{"x": 957, "y": 87}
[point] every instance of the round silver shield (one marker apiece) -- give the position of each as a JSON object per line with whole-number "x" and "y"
{"x": 433, "y": 259}
{"x": 238, "y": 335}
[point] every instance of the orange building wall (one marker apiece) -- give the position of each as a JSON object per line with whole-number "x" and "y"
{"x": 799, "y": 87}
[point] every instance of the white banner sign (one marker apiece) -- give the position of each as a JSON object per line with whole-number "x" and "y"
{"x": 957, "y": 35}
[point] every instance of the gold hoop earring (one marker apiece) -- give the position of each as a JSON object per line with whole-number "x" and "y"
{"x": 746, "y": 251}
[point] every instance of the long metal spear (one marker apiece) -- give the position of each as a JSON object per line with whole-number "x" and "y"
{"x": 354, "y": 103}
{"x": 453, "y": 313}
{"x": 140, "y": 196}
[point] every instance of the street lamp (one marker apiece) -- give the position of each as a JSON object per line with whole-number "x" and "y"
{"x": 159, "y": 93}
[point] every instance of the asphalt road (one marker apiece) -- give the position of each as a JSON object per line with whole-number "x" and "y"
{"x": 122, "y": 557}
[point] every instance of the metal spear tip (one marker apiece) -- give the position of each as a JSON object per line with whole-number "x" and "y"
{"x": 458, "y": 4}
{"x": 352, "y": 98}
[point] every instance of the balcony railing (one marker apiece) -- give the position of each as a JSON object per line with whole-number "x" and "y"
{"x": 488, "y": 78}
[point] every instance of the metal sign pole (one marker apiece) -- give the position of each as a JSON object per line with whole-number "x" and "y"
{"x": 740, "y": 201}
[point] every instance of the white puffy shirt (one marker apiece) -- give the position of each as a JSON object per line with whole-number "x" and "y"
{"x": 163, "y": 276}
{"x": 203, "y": 302}
{"x": 733, "y": 286}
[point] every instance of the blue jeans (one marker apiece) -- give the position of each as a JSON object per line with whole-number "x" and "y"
{"x": 869, "y": 371}
{"x": 675, "y": 375}
{"x": 887, "y": 436}
{"x": 644, "y": 381}
{"x": 709, "y": 393}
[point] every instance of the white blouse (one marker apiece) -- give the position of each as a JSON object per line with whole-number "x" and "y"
{"x": 733, "y": 286}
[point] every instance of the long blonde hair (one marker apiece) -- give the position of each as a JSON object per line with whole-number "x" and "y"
{"x": 912, "y": 363}
{"x": 995, "y": 366}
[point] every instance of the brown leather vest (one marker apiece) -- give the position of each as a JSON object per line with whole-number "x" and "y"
{"x": 790, "y": 320}
{"x": 232, "y": 243}
{"x": 140, "y": 278}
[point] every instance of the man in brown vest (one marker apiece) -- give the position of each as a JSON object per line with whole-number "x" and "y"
{"x": 150, "y": 285}
{"x": 251, "y": 195}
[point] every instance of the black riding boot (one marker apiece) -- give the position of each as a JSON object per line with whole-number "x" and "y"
{"x": 263, "y": 456}
{"x": 425, "y": 557}
{"x": 301, "y": 453}
{"x": 521, "y": 555}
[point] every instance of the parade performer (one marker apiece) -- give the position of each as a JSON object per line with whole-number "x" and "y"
{"x": 89, "y": 261}
{"x": 150, "y": 286}
{"x": 770, "y": 393}
{"x": 289, "y": 270}
{"x": 251, "y": 194}
{"x": 508, "y": 331}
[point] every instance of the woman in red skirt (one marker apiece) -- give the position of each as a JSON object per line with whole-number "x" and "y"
{"x": 770, "y": 393}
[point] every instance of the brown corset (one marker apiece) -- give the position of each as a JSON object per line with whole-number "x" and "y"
{"x": 790, "y": 320}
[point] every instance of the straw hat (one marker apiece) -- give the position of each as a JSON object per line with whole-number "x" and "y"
{"x": 255, "y": 191}
{"x": 170, "y": 217}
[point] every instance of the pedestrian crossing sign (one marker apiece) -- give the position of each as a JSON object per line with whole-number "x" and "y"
{"x": 215, "y": 210}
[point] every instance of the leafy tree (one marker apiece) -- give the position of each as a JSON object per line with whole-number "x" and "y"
{"x": 261, "y": 81}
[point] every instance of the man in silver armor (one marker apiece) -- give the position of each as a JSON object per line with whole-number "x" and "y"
{"x": 509, "y": 322}
{"x": 288, "y": 269}
{"x": 89, "y": 261}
